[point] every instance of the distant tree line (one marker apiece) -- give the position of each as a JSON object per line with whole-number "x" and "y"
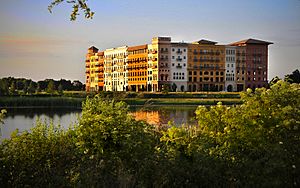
{"x": 17, "y": 86}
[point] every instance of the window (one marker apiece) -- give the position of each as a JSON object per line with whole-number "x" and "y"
{"x": 173, "y": 50}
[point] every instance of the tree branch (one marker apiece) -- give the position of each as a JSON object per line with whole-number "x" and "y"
{"x": 78, "y": 5}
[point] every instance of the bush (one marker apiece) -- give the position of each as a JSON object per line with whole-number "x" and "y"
{"x": 255, "y": 144}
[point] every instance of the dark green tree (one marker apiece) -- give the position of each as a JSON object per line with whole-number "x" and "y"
{"x": 293, "y": 78}
{"x": 274, "y": 80}
{"x": 4, "y": 89}
{"x": 26, "y": 85}
{"x": 31, "y": 87}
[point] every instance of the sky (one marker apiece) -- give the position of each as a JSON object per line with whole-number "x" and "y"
{"x": 35, "y": 44}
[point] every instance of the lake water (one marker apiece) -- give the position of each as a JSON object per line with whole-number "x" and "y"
{"x": 24, "y": 119}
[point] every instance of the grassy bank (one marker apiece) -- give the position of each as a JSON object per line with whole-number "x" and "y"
{"x": 181, "y": 101}
{"x": 74, "y": 100}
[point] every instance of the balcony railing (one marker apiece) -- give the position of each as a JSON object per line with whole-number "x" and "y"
{"x": 179, "y": 52}
{"x": 178, "y": 59}
{"x": 178, "y": 66}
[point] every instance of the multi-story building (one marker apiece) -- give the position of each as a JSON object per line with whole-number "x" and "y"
{"x": 164, "y": 65}
{"x": 159, "y": 63}
{"x": 137, "y": 68}
{"x": 240, "y": 74}
{"x": 115, "y": 67}
{"x": 206, "y": 66}
{"x": 255, "y": 62}
{"x": 178, "y": 67}
{"x": 230, "y": 68}
{"x": 94, "y": 70}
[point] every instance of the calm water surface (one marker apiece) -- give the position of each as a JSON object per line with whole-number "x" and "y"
{"x": 24, "y": 119}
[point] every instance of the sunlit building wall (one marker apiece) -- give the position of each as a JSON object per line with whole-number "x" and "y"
{"x": 115, "y": 67}
{"x": 206, "y": 66}
{"x": 91, "y": 80}
{"x": 178, "y": 66}
{"x": 230, "y": 68}
{"x": 137, "y": 68}
{"x": 163, "y": 65}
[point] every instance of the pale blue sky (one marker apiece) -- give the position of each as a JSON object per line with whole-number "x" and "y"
{"x": 36, "y": 44}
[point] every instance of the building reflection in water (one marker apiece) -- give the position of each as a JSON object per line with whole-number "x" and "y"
{"x": 163, "y": 116}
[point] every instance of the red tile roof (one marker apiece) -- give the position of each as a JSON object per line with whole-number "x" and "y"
{"x": 251, "y": 41}
{"x": 203, "y": 41}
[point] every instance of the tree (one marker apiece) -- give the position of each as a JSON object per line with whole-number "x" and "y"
{"x": 12, "y": 88}
{"x": 293, "y": 78}
{"x": 4, "y": 89}
{"x": 77, "y": 85}
{"x": 259, "y": 139}
{"x": 51, "y": 86}
{"x": 274, "y": 80}
{"x": 60, "y": 88}
{"x": 31, "y": 87}
{"x": 2, "y": 114}
{"x": 26, "y": 85}
{"x": 76, "y": 5}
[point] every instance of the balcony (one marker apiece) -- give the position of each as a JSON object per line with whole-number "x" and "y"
{"x": 178, "y": 59}
{"x": 179, "y": 52}
{"x": 164, "y": 59}
{"x": 178, "y": 66}
{"x": 154, "y": 52}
